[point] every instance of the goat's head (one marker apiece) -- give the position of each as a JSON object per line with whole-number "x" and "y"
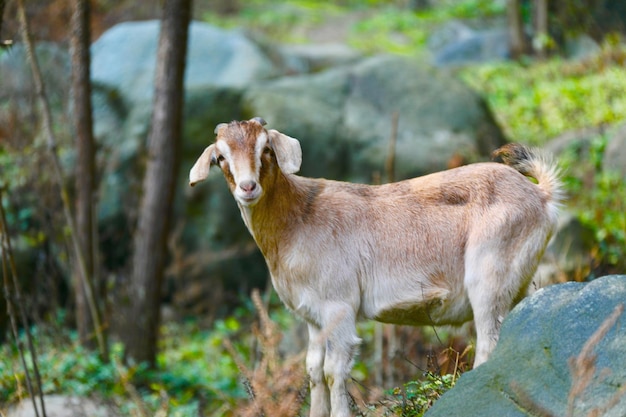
{"x": 249, "y": 156}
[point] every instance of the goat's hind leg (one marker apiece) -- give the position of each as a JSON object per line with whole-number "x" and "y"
{"x": 491, "y": 291}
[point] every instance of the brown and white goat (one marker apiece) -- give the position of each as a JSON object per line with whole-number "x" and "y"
{"x": 439, "y": 249}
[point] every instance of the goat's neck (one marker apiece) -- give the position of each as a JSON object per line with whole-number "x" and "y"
{"x": 275, "y": 215}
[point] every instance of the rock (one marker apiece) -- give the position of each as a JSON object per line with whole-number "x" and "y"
{"x": 615, "y": 152}
{"x": 343, "y": 118}
{"x": 317, "y": 57}
{"x": 309, "y": 108}
{"x": 455, "y": 43}
{"x": 124, "y": 58}
{"x": 530, "y": 371}
{"x": 580, "y": 47}
{"x": 453, "y": 31}
{"x": 439, "y": 118}
{"x": 64, "y": 406}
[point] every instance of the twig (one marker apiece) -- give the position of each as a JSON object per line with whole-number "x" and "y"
{"x": 390, "y": 162}
{"x": 58, "y": 171}
{"x": 7, "y": 259}
{"x": 131, "y": 390}
{"x": 583, "y": 366}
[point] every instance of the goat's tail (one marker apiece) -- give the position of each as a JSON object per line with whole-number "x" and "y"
{"x": 534, "y": 164}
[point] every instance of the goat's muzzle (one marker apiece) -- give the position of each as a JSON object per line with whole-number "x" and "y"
{"x": 248, "y": 192}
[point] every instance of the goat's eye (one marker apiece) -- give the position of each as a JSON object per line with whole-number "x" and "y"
{"x": 267, "y": 150}
{"x": 220, "y": 159}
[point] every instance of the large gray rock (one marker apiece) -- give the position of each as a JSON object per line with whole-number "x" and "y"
{"x": 124, "y": 58}
{"x": 439, "y": 118}
{"x": 530, "y": 371}
{"x": 343, "y": 118}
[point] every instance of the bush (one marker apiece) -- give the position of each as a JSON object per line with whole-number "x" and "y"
{"x": 598, "y": 198}
{"x": 538, "y": 102}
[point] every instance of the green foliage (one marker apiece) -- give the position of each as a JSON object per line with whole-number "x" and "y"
{"x": 465, "y": 9}
{"x": 418, "y": 396}
{"x": 537, "y": 102}
{"x": 278, "y": 20}
{"x": 390, "y": 30}
{"x": 379, "y": 25}
{"x": 598, "y": 198}
{"x": 193, "y": 372}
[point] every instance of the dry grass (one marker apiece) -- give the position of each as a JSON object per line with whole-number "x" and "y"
{"x": 277, "y": 386}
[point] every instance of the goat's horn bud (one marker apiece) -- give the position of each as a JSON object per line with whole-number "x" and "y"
{"x": 218, "y": 127}
{"x": 260, "y": 120}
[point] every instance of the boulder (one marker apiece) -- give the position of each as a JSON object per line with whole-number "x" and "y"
{"x": 309, "y": 108}
{"x": 456, "y": 43}
{"x": 533, "y": 371}
{"x": 343, "y": 118}
{"x": 439, "y": 118}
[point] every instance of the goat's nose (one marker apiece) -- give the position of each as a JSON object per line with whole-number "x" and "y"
{"x": 248, "y": 186}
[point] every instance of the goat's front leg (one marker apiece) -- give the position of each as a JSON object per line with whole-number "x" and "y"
{"x": 341, "y": 346}
{"x": 320, "y": 395}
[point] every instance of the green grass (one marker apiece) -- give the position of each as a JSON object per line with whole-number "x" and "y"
{"x": 536, "y": 102}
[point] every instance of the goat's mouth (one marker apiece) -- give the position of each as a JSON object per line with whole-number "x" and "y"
{"x": 248, "y": 199}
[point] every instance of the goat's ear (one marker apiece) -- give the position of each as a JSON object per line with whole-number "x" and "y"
{"x": 200, "y": 169}
{"x": 287, "y": 150}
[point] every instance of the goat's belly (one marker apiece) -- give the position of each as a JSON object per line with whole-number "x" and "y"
{"x": 432, "y": 312}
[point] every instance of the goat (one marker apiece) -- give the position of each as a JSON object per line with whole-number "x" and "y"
{"x": 438, "y": 249}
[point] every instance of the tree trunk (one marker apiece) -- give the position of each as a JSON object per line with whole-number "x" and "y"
{"x": 2, "y": 4}
{"x": 517, "y": 41}
{"x": 142, "y": 319}
{"x": 85, "y": 168}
